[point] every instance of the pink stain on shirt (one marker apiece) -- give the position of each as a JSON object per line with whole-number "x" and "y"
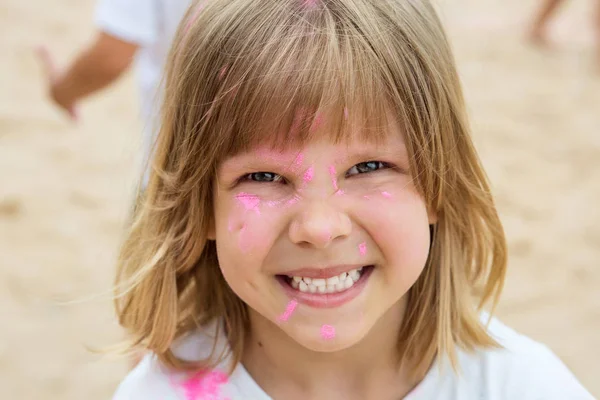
{"x": 333, "y": 178}
{"x": 249, "y": 201}
{"x": 327, "y": 332}
{"x": 291, "y": 307}
{"x": 387, "y": 195}
{"x": 204, "y": 385}
{"x": 362, "y": 248}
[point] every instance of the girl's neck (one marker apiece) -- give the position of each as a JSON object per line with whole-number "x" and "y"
{"x": 287, "y": 370}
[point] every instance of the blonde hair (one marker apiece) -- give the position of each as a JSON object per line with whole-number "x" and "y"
{"x": 241, "y": 68}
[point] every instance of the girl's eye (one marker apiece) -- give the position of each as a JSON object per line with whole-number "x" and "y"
{"x": 263, "y": 177}
{"x": 368, "y": 166}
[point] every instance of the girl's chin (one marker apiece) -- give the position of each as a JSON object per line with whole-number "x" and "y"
{"x": 325, "y": 338}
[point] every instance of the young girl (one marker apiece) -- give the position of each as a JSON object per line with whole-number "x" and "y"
{"x": 317, "y": 224}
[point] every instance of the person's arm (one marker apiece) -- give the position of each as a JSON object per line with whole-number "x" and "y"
{"x": 96, "y": 67}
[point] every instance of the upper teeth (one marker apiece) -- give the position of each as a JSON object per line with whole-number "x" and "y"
{"x": 337, "y": 283}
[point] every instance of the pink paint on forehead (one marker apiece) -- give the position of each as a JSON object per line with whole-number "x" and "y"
{"x": 362, "y": 248}
{"x": 249, "y": 201}
{"x": 333, "y": 178}
{"x": 387, "y": 195}
{"x": 204, "y": 385}
{"x": 327, "y": 332}
{"x": 291, "y": 307}
{"x": 299, "y": 160}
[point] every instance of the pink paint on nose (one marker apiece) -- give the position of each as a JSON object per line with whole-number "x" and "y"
{"x": 292, "y": 201}
{"x": 291, "y": 307}
{"x": 362, "y": 248}
{"x": 204, "y": 385}
{"x": 309, "y": 175}
{"x": 249, "y": 201}
{"x": 333, "y": 178}
{"x": 327, "y": 332}
{"x": 387, "y": 195}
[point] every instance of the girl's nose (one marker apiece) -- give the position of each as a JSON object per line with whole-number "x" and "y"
{"x": 319, "y": 224}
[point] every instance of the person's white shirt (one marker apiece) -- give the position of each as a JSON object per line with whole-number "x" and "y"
{"x": 523, "y": 369}
{"x": 151, "y": 24}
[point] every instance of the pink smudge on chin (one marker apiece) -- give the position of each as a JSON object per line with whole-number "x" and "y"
{"x": 327, "y": 332}
{"x": 249, "y": 201}
{"x": 362, "y": 248}
{"x": 204, "y": 385}
{"x": 291, "y": 307}
{"x": 309, "y": 175}
{"x": 333, "y": 178}
{"x": 387, "y": 195}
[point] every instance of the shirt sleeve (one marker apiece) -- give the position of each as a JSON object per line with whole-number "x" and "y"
{"x": 134, "y": 21}
{"x": 550, "y": 379}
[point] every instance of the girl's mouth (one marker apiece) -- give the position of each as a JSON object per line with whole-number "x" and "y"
{"x": 329, "y": 292}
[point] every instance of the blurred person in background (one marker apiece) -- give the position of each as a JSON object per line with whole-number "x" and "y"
{"x": 537, "y": 32}
{"x": 128, "y": 31}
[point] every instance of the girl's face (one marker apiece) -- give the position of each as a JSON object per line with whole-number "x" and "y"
{"x": 324, "y": 240}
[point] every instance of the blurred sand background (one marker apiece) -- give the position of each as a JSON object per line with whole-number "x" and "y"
{"x": 65, "y": 190}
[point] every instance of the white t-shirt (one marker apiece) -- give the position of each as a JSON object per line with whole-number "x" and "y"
{"x": 523, "y": 370}
{"x": 151, "y": 24}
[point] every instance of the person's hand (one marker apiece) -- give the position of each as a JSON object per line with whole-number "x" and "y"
{"x": 52, "y": 77}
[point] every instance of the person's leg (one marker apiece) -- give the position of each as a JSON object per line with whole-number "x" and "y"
{"x": 537, "y": 32}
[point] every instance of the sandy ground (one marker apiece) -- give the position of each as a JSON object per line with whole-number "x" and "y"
{"x": 65, "y": 190}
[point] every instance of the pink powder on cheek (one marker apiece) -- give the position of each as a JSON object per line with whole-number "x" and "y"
{"x": 299, "y": 160}
{"x": 362, "y": 248}
{"x": 333, "y": 178}
{"x": 249, "y": 201}
{"x": 387, "y": 195}
{"x": 327, "y": 332}
{"x": 291, "y": 307}
{"x": 203, "y": 385}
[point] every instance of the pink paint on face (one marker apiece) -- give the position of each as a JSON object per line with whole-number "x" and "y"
{"x": 327, "y": 332}
{"x": 204, "y": 385}
{"x": 332, "y": 173}
{"x": 291, "y": 307}
{"x": 309, "y": 175}
{"x": 292, "y": 201}
{"x": 245, "y": 240}
{"x": 249, "y": 201}
{"x": 362, "y": 248}
{"x": 299, "y": 160}
{"x": 387, "y": 195}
